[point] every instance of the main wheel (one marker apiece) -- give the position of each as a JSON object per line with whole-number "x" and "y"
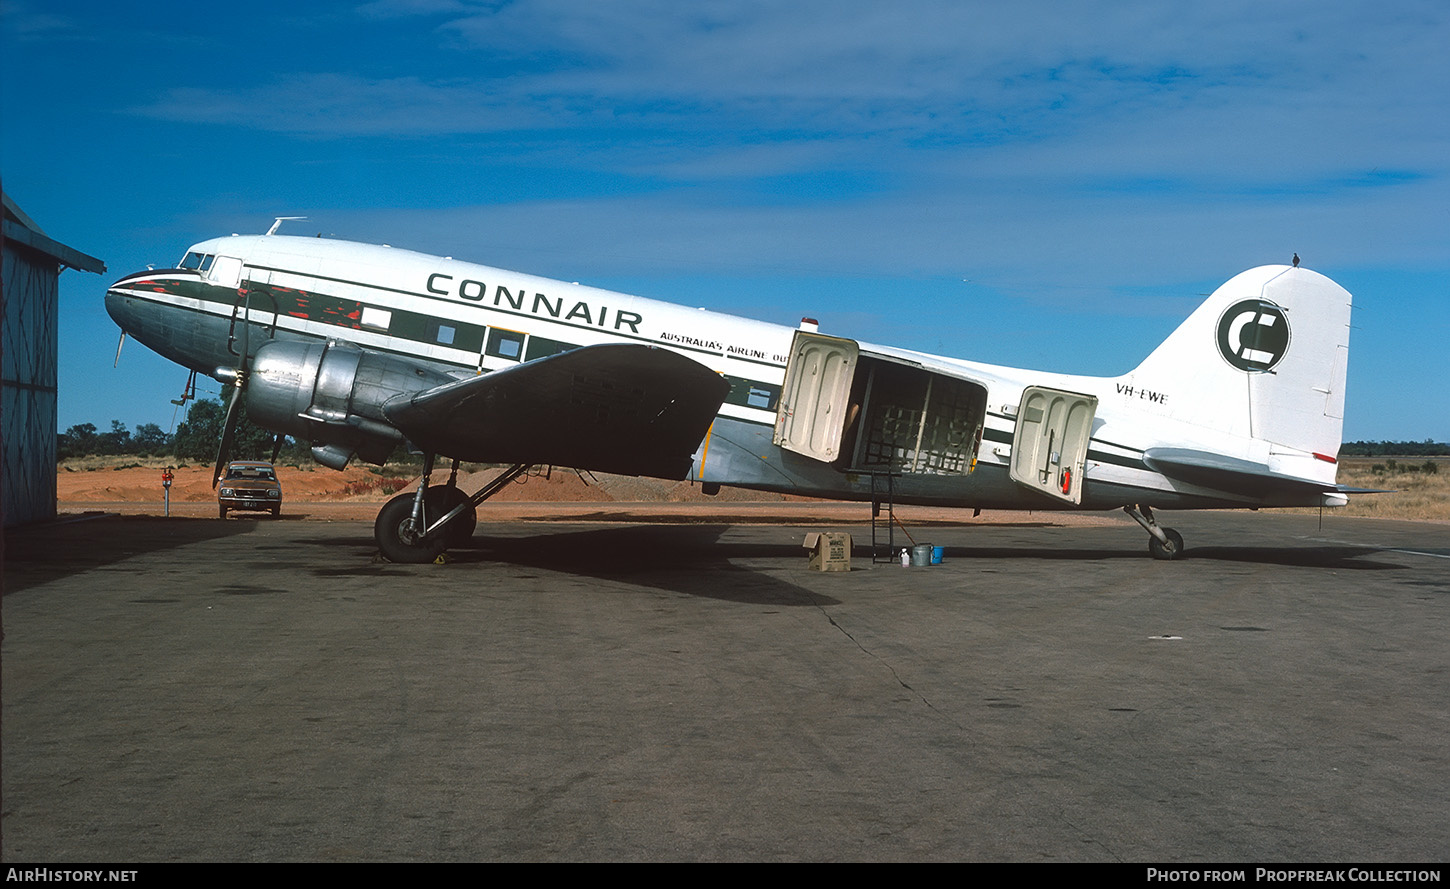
{"x": 1173, "y": 549}
{"x": 224, "y": 511}
{"x": 398, "y": 540}
{"x": 460, "y": 529}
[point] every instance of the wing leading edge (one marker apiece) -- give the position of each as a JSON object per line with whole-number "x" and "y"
{"x": 626, "y": 409}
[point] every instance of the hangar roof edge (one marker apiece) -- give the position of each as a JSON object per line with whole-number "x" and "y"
{"x": 22, "y": 229}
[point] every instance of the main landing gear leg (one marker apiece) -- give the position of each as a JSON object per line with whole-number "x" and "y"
{"x": 460, "y": 526}
{"x": 401, "y": 525}
{"x": 419, "y": 527}
{"x": 1165, "y": 543}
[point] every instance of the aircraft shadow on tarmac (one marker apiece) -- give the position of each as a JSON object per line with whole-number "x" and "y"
{"x": 694, "y": 559}
{"x": 1335, "y": 557}
{"x": 686, "y": 559}
{"x": 1354, "y": 558}
{"x": 640, "y": 550}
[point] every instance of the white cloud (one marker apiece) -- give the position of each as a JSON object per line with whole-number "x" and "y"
{"x": 1142, "y": 86}
{"x": 350, "y": 105}
{"x": 920, "y": 136}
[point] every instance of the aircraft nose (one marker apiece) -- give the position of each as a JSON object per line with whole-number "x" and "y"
{"x": 120, "y": 312}
{"x": 122, "y": 305}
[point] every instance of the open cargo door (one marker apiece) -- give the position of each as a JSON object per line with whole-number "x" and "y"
{"x": 1050, "y": 446}
{"x": 877, "y": 413}
{"x": 917, "y": 421}
{"x": 812, "y": 415}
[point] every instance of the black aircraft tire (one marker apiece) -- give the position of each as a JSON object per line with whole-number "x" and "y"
{"x": 394, "y": 538}
{"x": 460, "y": 530}
{"x": 1169, "y": 551}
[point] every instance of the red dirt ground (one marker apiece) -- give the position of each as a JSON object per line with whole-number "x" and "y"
{"x": 356, "y": 493}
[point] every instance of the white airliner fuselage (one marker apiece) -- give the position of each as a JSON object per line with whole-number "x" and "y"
{"x": 355, "y": 347}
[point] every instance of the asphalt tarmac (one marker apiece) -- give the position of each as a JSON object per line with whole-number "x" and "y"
{"x": 256, "y": 690}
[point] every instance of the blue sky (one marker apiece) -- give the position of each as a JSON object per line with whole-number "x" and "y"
{"x": 1051, "y": 185}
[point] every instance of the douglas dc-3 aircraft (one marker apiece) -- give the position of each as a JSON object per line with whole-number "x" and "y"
{"x": 357, "y": 347}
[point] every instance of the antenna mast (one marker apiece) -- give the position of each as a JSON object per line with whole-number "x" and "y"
{"x": 277, "y": 223}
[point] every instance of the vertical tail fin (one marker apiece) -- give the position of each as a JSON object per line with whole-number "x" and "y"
{"x": 1265, "y": 357}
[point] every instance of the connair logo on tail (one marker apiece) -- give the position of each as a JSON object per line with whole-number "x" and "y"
{"x": 1253, "y": 335}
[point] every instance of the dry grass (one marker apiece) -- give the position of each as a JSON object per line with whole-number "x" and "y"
{"x": 117, "y": 462}
{"x": 98, "y": 463}
{"x": 1417, "y": 494}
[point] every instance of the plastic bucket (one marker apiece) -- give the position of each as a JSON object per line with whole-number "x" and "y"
{"x": 937, "y": 553}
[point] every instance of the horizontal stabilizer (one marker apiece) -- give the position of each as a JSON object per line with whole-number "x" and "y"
{"x": 626, "y": 409}
{"x": 1224, "y": 473}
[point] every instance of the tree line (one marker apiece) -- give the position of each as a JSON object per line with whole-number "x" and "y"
{"x": 196, "y": 438}
{"x": 1426, "y": 448}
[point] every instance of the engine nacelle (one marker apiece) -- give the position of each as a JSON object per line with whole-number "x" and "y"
{"x": 331, "y": 394}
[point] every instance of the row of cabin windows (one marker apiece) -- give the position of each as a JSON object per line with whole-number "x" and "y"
{"x": 495, "y": 342}
{"x": 510, "y": 345}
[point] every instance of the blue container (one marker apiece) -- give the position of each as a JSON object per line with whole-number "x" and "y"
{"x": 937, "y": 552}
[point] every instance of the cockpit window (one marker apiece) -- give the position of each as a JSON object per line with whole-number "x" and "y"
{"x": 199, "y": 261}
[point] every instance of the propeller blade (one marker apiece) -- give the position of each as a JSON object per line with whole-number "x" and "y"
{"x": 238, "y": 378}
{"x": 277, "y": 446}
{"x": 229, "y": 431}
{"x": 246, "y": 327}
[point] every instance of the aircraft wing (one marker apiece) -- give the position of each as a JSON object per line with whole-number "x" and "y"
{"x": 627, "y": 409}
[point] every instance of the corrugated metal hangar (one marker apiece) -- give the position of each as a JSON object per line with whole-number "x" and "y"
{"x": 29, "y": 347}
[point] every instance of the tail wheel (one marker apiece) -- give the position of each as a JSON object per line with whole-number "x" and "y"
{"x": 399, "y": 540}
{"x": 1172, "y": 549}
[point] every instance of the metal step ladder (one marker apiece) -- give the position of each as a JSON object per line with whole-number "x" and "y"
{"x": 883, "y": 489}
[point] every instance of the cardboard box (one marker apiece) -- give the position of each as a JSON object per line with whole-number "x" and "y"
{"x": 830, "y": 550}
